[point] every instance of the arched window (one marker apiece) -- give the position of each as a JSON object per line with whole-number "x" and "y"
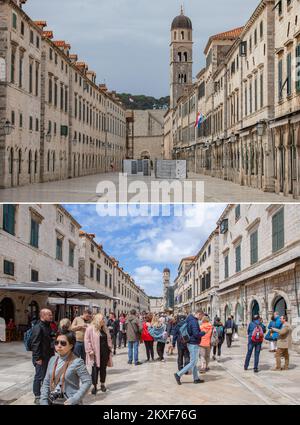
{"x": 185, "y": 55}
{"x": 280, "y": 306}
{"x": 48, "y": 161}
{"x": 254, "y": 309}
{"x": 29, "y": 162}
{"x": 179, "y": 78}
{"x": 182, "y": 35}
{"x": 20, "y": 162}
{"x": 175, "y": 35}
{"x": 185, "y": 78}
{"x": 179, "y": 57}
{"x": 53, "y": 161}
{"x": 11, "y": 160}
{"x": 35, "y": 162}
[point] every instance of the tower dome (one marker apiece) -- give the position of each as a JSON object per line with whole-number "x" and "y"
{"x": 181, "y": 21}
{"x": 166, "y": 270}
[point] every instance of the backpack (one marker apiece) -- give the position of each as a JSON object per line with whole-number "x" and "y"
{"x": 214, "y": 338}
{"x": 28, "y": 339}
{"x": 220, "y": 332}
{"x": 257, "y": 335}
{"x": 183, "y": 332}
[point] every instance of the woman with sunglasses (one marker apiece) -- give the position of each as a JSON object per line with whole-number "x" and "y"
{"x": 67, "y": 380}
{"x": 98, "y": 347}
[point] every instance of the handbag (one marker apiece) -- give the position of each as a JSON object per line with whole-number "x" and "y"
{"x": 229, "y": 331}
{"x": 58, "y": 398}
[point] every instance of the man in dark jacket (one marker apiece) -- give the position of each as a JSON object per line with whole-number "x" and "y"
{"x": 255, "y": 324}
{"x": 182, "y": 349}
{"x": 229, "y": 330}
{"x": 113, "y": 326}
{"x": 134, "y": 328}
{"x": 42, "y": 350}
{"x": 195, "y": 335}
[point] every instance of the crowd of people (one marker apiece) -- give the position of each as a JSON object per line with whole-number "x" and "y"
{"x": 70, "y": 357}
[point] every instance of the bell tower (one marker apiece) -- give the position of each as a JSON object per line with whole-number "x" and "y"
{"x": 181, "y": 58}
{"x": 166, "y": 284}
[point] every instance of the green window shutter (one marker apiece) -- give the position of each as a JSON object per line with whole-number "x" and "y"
{"x": 254, "y": 247}
{"x": 226, "y": 267}
{"x": 278, "y": 230}
{"x": 34, "y": 235}
{"x": 298, "y": 68}
{"x": 9, "y": 268}
{"x": 289, "y": 74}
{"x": 9, "y": 218}
{"x": 280, "y": 79}
{"x": 238, "y": 259}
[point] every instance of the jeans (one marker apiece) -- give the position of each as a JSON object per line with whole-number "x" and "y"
{"x": 252, "y": 346}
{"x": 161, "y": 349}
{"x": 114, "y": 342}
{"x": 229, "y": 340}
{"x": 133, "y": 346}
{"x": 149, "y": 349}
{"x": 79, "y": 350}
{"x": 194, "y": 355}
{"x": 183, "y": 357}
{"x": 40, "y": 373}
{"x": 218, "y": 348}
{"x": 122, "y": 337}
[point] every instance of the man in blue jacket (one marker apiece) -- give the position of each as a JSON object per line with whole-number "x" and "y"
{"x": 195, "y": 335}
{"x": 182, "y": 349}
{"x": 255, "y": 341}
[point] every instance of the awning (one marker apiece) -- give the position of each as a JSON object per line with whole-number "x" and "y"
{"x": 72, "y": 302}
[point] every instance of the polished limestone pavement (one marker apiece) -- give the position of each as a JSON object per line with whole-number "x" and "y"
{"x": 154, "y": 383}
{"x": 84, "y": 189}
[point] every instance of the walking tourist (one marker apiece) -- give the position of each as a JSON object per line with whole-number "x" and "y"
{"x": 229, "y": 329}
{"x": 113, "y": 327}
{"x": 284, "y": 343}
{"x": 217, "y": 349}
{"x": 67, "y": 380}
{"x": 158, "y": 331}
{"x": 147, "y": 338}
{"x": 191, "y": 331}
{"x": 122, "y": 330}
{"x": 272, "y": 336}
{"x": 205, "y": 345}
{"x": 183, "y": 358}
{"x": 134, "y": 328}
{"x": 64, "y": 326}
{"x": 42, "y": 347}
{"x": 79, "y": 326}
{"x": 170, "y": 331}
{"x": 98, "y": 348}
{"x": 256, "y": 331}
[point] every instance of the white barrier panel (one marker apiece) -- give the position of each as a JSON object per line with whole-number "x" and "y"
{"x": 167, "y": 169}
{"x": 2, "y": 330}
{"x": 137, "y": 167}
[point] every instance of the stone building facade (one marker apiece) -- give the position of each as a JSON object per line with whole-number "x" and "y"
{"x": 156, "y": 305}
{"x": 63, "y": 124}
{"x": 44, "y": 243}
{"x": 146, "y": 133}
{"x": 37, "y": 243}
{"x": 253, "y": 266}
{"x": 248, "y": 98}
{"x": 99, "y": 271}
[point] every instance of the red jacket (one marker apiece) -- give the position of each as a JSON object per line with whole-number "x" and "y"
{"x": 145, "y": 333}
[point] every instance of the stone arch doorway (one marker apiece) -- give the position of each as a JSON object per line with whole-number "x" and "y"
{"x": 33, "y": 310}
{"x": 255, "y": 310}
{"x": 145, "y": 155}
{"x": 7, "y": 309}
{"x": 227, "y": 312}
{"x": 280, "y": 306}
{"x": 239, "y": 314}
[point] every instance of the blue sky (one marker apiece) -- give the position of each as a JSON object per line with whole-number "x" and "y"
{"x": 146, "y": 245}
{"x": 127, "y": 41}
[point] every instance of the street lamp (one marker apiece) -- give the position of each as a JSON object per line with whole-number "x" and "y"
{"x": 232, "y": 138}
{"x": 260, "y": 128}
{"x": 7, "y": 127}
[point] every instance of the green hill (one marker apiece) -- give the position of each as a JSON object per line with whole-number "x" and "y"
{"x": 143, "y": 102}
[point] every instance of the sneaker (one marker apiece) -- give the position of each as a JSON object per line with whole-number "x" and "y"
{"x": 245, "y": 368}
{"x": 138, "y": 363}
{"x": 177, "y": 379}
{"x": 37, "y": 401}
{"x": 94, "y": 391}
{"x": 256, "y": 370}
{"x": 103, "y": 388}
{"x": 129, "y": 362}
{"x": 214, "y": 358}
{"x": 199, "y": 381}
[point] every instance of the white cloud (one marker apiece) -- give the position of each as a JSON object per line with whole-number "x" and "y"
{"x": 149, "y": 279}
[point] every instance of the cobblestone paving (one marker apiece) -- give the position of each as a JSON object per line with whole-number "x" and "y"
{"x": 83, "y": 189}
{"x": 153, "y": 383}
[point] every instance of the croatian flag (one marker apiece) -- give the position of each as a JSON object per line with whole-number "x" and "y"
{"x": 199, "y": 120}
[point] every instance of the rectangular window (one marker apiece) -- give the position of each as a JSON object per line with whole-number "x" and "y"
{"x": 9, "y": 212}
{"x": 71, "y": 254}
{"x": 59, "y": 245}
{"x": 254, "y": 248}
{"x": 34, "y": 276}
{"x": 237, "y": 212}
{"x": 34, "y": 233}
{"x": 13, "y": 66}
{"x": 14, "y": 21}
{"x": 92, "y": 270}
{"x": 30, "y": 77}
{"x": 238, "y": 259}
{"x": 261, "y": 90}
{"x": 298, "y": 68}
{"x": 98, "y": 274}
{"x": 226, "y": 264}
{"x": 106, "y": 279}
{"x": 9, "y": 268}
{"x": 278, "y": 230}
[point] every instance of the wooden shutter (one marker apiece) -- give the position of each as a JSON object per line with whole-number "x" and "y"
{"x": 278, "y": 230}
{"x": 289, "y": 74}
{"x": 34, "y": 237}
{"x": 9, "y": 218}
{"x": 298, "y": 68}
{"x": 238, "y": 259}
{"x": 280, "y": 79}
{"x": 254, "y": 247}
